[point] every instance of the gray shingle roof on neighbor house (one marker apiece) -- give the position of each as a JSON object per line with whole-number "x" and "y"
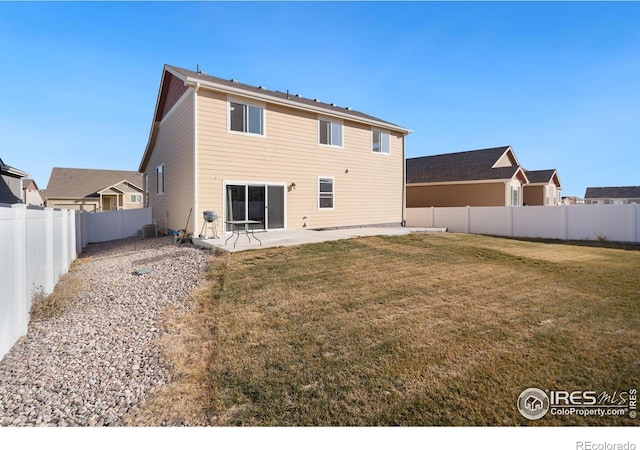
{"x": 539, "y": 176}
{"x": 80, "y": 183}
{"x": 613, "y": 192}
{"x": 462, "y": 166}
{"x": 277, "y": 95}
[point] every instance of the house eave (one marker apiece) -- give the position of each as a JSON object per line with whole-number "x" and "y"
{"x": 441, "y": 183}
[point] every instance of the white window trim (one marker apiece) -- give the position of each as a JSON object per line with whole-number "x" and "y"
{"x": 381, "y": 131}
{"x": 266, "y": 184}
{"x": 137, "y": 196}
{"x": 158, "y": 192}
{"x": 331, "y": 120}
{"x": 333, "y": 193}
{"x": 243, "y": 101}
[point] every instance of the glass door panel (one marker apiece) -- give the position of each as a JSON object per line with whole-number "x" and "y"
{"x": 256, "y": 211}
{"x": 236, "y": 204}
{"x": 275, "y": 207}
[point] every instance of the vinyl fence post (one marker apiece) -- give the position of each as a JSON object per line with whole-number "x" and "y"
{"x": 65, "y": 241}
{"x": 433, "y": 217}
{"x": 20, "y": 268}
{"x": 468, "y": 219}
{"x": 71, "y": 248}
{"x": 633, "y": 226}
{"x": 50, "y": 280}
{"x": 511, "y": 208}
{"x": 565, "y": 227}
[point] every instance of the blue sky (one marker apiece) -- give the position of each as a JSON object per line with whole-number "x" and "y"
{"x": 559, "y": 82}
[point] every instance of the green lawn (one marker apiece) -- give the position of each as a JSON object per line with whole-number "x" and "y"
{"x": 417, "y": 330}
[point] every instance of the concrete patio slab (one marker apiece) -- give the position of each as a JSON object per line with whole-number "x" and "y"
{"x": 284, "y": 238}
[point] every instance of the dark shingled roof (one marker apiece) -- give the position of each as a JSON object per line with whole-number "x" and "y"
{"x": 278, "y": 95}
{"x": 539, "y": 176}
{"x": 613, "y": 192}
{"x": 80, "y": 183}
{"x": 462, "y": 166}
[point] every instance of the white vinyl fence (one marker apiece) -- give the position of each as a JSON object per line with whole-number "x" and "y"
{"x": 38, "y": 247}
{"x": 112, "y": 225}
{"x": 620, "y": 223}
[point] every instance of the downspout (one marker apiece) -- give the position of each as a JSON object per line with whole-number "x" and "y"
{"x": 195, "y": 158}
{"x": 404, "y": 183}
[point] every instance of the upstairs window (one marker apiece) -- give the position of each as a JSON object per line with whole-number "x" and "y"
{"x": 330, "y": 133}
{"x": 380, "y": 141}
{"x": 246, "y": 118}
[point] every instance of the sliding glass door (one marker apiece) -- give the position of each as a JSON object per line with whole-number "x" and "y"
{"x": 260, "y": 202}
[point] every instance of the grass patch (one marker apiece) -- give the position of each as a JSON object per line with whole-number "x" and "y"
{"x": 417, "y": 330}
{"x": 45, "y": 307}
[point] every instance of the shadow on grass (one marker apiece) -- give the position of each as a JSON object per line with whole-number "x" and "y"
{"x": 596, "y": 244}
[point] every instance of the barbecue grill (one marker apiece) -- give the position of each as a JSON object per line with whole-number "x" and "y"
{"x": 210, "y": 218}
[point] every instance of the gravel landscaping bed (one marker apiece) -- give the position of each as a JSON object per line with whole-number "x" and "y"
{"x": 95, "y": 363}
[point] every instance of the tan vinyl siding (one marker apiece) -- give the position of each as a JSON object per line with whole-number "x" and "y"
{"x": 289, "y": 152}
{"x": 467, "y": 194}
{"x": 534, "y": 195}
{"x": 174, "y": 149}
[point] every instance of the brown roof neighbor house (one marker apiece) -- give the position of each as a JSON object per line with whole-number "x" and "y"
{"x": 543, "y": 189}
{"x": 276, "y": 158}
{"x": 486, "y": 177}
{"x": 612, "y": 195}
{"x": 11, "y": 183}
{"x": 94, "y": 189}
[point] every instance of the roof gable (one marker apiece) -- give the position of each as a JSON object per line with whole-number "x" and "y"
{"x": 80, "y": 183}
{"x": 546, "y": 176}
{"x": 473, "y": 165}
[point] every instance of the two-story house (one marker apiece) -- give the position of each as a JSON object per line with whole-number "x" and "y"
{"x": 285, "y": 161}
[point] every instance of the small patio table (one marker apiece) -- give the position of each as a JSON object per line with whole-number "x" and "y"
{"x": 241, "y": 225}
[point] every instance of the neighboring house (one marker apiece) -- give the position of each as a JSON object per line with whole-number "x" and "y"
{"x": 572, "y": 200}
{"x": 31, "y": 195}
{"x": 543, "y": 189}
{"x": 612, "y": 195}
{"x": 487, "y": 177}
{"x": 249, "y": 153}
{"x": 94, "y": 189}
{"x": 11, "y": 183}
